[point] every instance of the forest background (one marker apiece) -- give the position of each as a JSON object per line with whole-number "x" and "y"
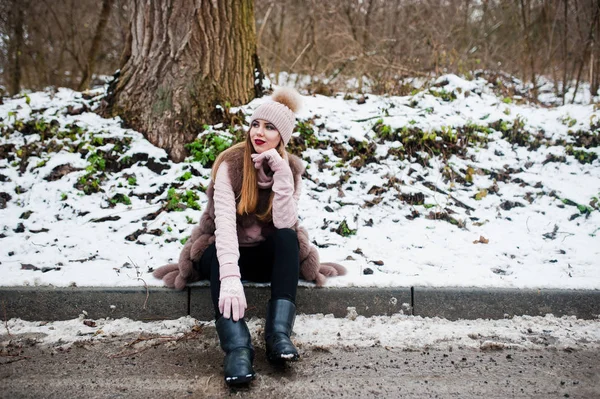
{"x": 372, "y": 43}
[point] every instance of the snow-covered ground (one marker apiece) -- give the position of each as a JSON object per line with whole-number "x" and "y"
{"x": 396, "y": 331}
{"x": 514, "y": 208}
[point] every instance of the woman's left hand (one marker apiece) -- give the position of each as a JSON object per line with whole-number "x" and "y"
{"x": 272, "y": 157}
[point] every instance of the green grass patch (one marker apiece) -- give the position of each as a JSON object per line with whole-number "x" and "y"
{"x": 344, "y": 230}
{"x": 179, "y": 201}
{"x": 207, "y": 148}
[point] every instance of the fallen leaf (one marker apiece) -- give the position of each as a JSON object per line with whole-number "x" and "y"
{"x": 27, "y": 266}
{"x": 89, "y": 323}
{"x": 481, "y": 240}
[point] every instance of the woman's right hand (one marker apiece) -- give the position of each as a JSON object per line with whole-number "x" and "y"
{"x": 272, "y": 157}
{"x": 232, "y": 300}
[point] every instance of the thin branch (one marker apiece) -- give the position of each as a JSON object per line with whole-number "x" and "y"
{"x": 5, "y": 318}
{"x": 300, "y": 55}
{"x": 264, "y": 23}
{"x": 138, "y": 274}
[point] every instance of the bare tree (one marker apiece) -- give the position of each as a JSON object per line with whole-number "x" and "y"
{"x": 330, "y": 43}
{"x": 587, "y": 45}
{"x": 183, "y": 60}
{"x": 91, "y": 58}
{"x": 15, "y": 49}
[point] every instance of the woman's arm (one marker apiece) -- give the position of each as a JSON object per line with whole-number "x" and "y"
{"x": 232, "y": 300}
{"x": 285, "y": 206}
{"x": 285, "y": 198}
{"x": 226, "y": 239}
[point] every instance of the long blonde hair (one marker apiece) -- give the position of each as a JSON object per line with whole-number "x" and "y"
{"x": 248, "y": 198}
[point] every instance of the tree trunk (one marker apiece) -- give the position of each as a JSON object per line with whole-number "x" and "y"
{"x": 595, "y": 64}
{"x": 565, "y": 53}
{"x": 91, "y": 59}
{"x": 17, "y": 48}
{"x": 527, "y": 30}
{"x": 183, "y": 60}
{"x": 586, "y": 48}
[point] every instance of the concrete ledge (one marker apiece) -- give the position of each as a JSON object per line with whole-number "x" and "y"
{"x": 50, "y": 303}
{"x": 497, "y": 303}
{"x": 366, "y": 301}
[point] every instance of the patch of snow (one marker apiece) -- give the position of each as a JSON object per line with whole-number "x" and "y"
{"x": 537, "y": 237}
{"x": 324, "y": 331}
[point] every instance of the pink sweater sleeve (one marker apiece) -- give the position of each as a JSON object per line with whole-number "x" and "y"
{"x": 226, "y": 239}
{"x": 285, "y": 198}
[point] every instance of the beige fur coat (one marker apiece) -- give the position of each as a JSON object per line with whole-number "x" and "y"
{"x": 177, "y": 275}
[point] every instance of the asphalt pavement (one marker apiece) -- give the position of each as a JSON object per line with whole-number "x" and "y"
{"x": 191, "y": 367}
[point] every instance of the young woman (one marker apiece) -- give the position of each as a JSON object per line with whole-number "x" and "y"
{"x": 250, "y": 231}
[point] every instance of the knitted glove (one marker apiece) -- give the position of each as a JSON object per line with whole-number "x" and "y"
{"x": 273, "y": 159}
{"x": 232, "y": 301}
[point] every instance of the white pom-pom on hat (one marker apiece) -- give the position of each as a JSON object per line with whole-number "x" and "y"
{"x": 280, "y": 111}
{"x": 289, "y": 97}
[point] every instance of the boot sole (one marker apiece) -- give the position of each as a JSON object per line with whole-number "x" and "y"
{"x": 280, "y": 358}
{"x": 240, "y": 380}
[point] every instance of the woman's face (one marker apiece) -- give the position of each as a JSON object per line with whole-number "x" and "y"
{"x": 263, "y": 135}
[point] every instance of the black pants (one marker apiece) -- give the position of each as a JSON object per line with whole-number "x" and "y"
{"x": 274, "y": 260}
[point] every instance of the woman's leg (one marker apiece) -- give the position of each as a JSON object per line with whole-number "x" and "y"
{"x": 275, "y": 260}
{"x": 286, "y": 265}
{"x": 234, "y": 336}
{"x": 208, "y": 268}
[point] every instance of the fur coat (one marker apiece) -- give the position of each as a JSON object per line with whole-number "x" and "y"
{"x": 178, "y": 275}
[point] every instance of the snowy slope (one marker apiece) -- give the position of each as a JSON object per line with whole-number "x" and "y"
{"x": 516, "y": 207}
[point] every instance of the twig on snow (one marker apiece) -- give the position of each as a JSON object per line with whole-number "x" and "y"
{"x": 138, "y": 276}
{"x": 5, "y": 318}
{"x": 16, "y": 360}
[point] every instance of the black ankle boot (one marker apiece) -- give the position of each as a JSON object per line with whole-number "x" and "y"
{"x": 280, "y": 320}
{"x": 239, "y": 353}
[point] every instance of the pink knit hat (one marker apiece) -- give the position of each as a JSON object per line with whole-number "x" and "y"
{"x": 280, "y": 111}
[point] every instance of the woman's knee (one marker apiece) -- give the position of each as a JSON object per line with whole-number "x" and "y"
{"x": 206, "y": 263}
{"x": 286, "y": 235}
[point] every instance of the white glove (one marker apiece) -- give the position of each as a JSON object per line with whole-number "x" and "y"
{"x": 272, "y": 157}
{"x": 232, "y": 301}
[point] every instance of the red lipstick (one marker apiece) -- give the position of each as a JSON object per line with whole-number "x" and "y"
{"x": 259, "y": 142}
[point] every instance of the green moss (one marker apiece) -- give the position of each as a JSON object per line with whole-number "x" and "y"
{"x": 181, "y": 201}
{"x": 443, "y": 94}
{"x": 119, "y": 199}
{"x": 344, "y": 230}
{"x": 304, "y": 138}
{"x": 568, "y": 121}
{"x": 97, "y": 141}
{"x": 515, "y": 133}
{"x": 582, "y": 156}
{"x": 186, "y": 176}
{"x": 88, "y": 184}
{"x": 481, "y": 195}
{"x": 96, "y": 162}
{"x": 307, "y": 132}
{"x": 383, "y": 131}
{"x": 207, "y": 148}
